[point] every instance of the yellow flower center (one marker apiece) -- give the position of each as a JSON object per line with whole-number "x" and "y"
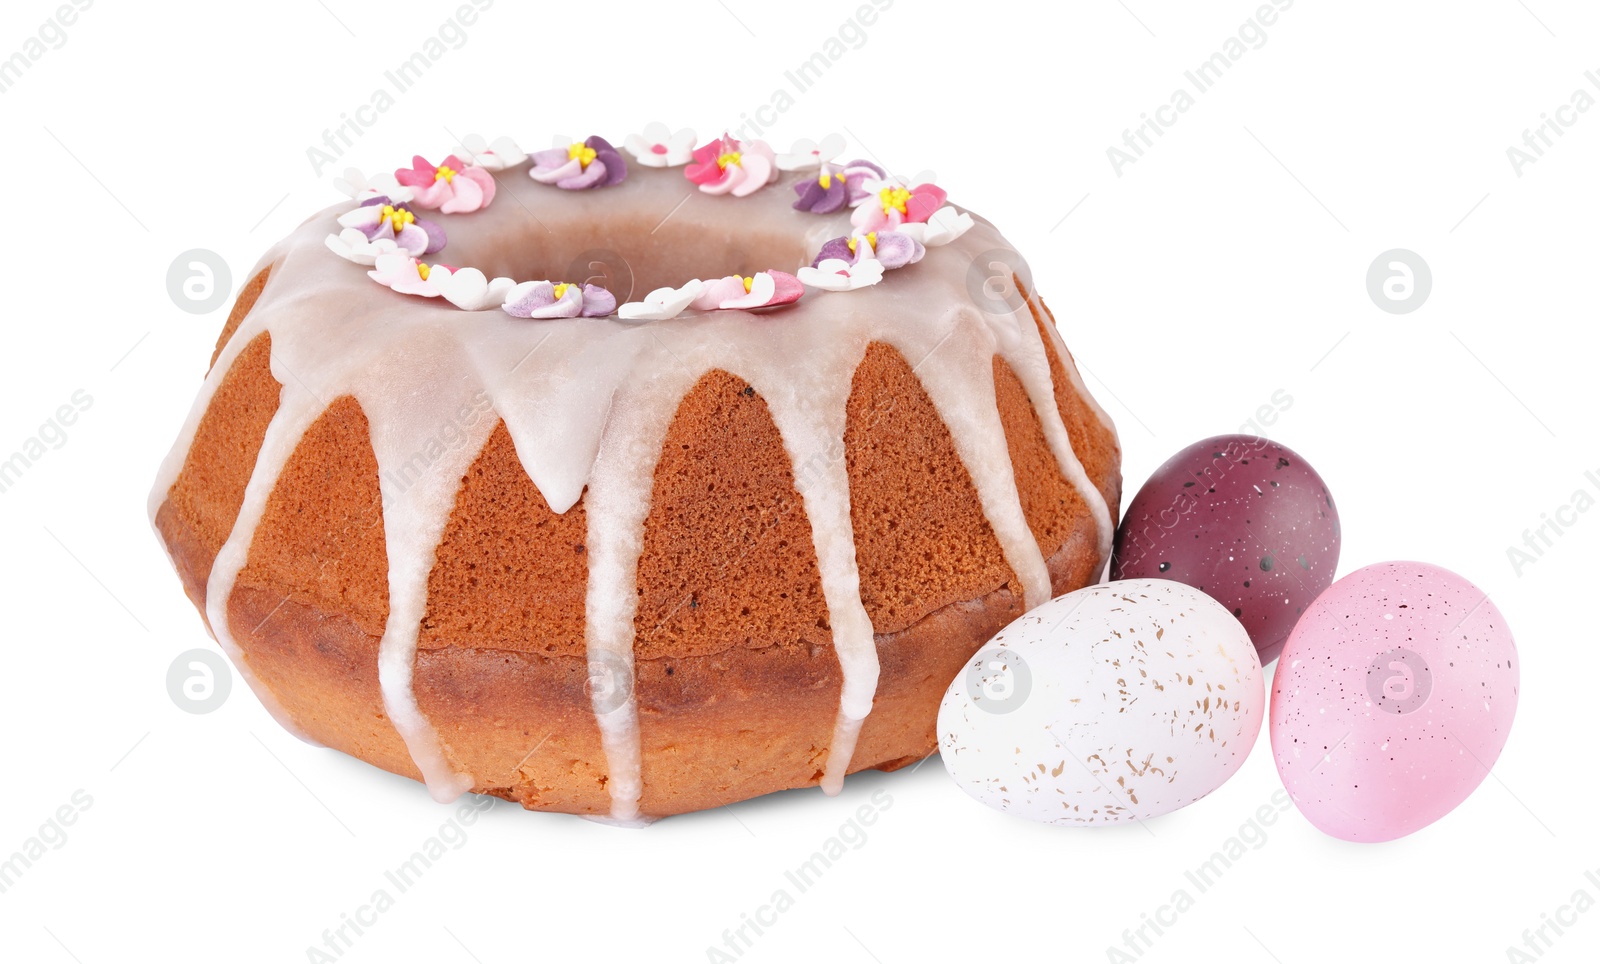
{"x": 872, "y": 239}
{"x": 583, "y": 155}
{"x": 444, "y": 174}
{"x": 894, "y": 199}
{"x": 423, "y": 271}
{"x": 726, "y": 158}
{"x": 826, "y": 180}
{"x": 560, "y": 289}
{"x": 748, "y": 282}
{"x": 396, "y": 218}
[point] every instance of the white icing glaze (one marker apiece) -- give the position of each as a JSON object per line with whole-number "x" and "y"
{"x": 957, "y": 372}
{"x": 1076, "y": 378}
{"x": 1032, "y": 367}
{"x": 398, "y": 393}
{"x": 230, "y": 559}
{"x": 616, "y": 505}
{"x": 588, "y": 402}
{"x": 296, "y": 411}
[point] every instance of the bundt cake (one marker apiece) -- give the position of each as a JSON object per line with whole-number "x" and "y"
{"x": 623, "y": 544}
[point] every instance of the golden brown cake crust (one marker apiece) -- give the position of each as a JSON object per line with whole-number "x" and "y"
{"x": 736, "y": 679}
{"x": 241, "y": 307}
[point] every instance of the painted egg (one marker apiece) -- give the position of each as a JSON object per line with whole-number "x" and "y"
{"x": 1393, "y": 699}
{"x": 1118, "y": 702}
{"x": 1243, "y": 519}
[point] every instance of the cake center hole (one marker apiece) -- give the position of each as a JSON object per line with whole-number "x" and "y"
{"x": 628, "y": 245}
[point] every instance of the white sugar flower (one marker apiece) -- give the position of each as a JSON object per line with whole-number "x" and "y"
{"x": 497, "y": 155}
{"x": 359, "y": 186}
{"x": 662, "y": 303}
{"x": 806, "y": 153}
{"x": 658, "y": 146}
{"x": 470, "y": 290}
{"x": 943, "y": 227}
{"x": 353, "y": 245}
{"x": 835, "y": 274}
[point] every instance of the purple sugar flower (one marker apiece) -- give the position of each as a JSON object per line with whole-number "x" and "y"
{"x": 821, "y": 195}
{"x": 837, "y": 249}
{"x": 892, "y": 249}
{"x": 896, "y": 250}
{"x": 379, "y": 218}
{"x": 542, "y": 299}
{"x": 580, "y": 165}
{"x": 835, "y": 187}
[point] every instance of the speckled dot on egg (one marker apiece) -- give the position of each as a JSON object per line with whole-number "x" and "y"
{"x": 1244, "y": 519}
{"x": 1118, "y": 702}
{"x": 1393, "y": 697}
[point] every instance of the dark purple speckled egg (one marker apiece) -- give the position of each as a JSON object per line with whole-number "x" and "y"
{"x": 1243, "y": 519}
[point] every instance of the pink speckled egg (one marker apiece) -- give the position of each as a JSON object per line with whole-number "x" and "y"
{"x": 1393, "y": 698}
{"x": 1243, "y": 519}
{"x": 1118, "y": 702}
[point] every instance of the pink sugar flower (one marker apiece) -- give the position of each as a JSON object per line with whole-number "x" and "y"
{"x": 405, "y": 274}
{"x": 453, "y": 187}
{"x": 889, "y": 204}
{"x": 725, "y": 166}
{"x": 764, "y": 289}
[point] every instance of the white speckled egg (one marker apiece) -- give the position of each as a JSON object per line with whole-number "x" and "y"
{"x": 1118, "y": 702}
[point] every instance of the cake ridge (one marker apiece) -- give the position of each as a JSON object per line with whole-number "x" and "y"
{"x": 287, "y": 426}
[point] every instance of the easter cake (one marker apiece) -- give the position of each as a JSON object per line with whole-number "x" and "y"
{"x": 718, "y": 508}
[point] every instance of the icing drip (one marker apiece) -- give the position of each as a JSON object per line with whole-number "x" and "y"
{"x": 297, "y": 410}
{"x": 1074, "y": 376}
{"x": 419, "y": 486}
{"x": 588, "y": 403}
{"x": 1025, "y": 353}
{"x": 616, "y": 505}
{"x": 957, "y": 372}
{"x": 553, "y": 396}
{"x": 808, "y": 408}
{"x": 225, "y": 568}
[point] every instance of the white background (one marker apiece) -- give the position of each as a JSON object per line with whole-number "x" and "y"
{"x": 1225, "y": 265}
